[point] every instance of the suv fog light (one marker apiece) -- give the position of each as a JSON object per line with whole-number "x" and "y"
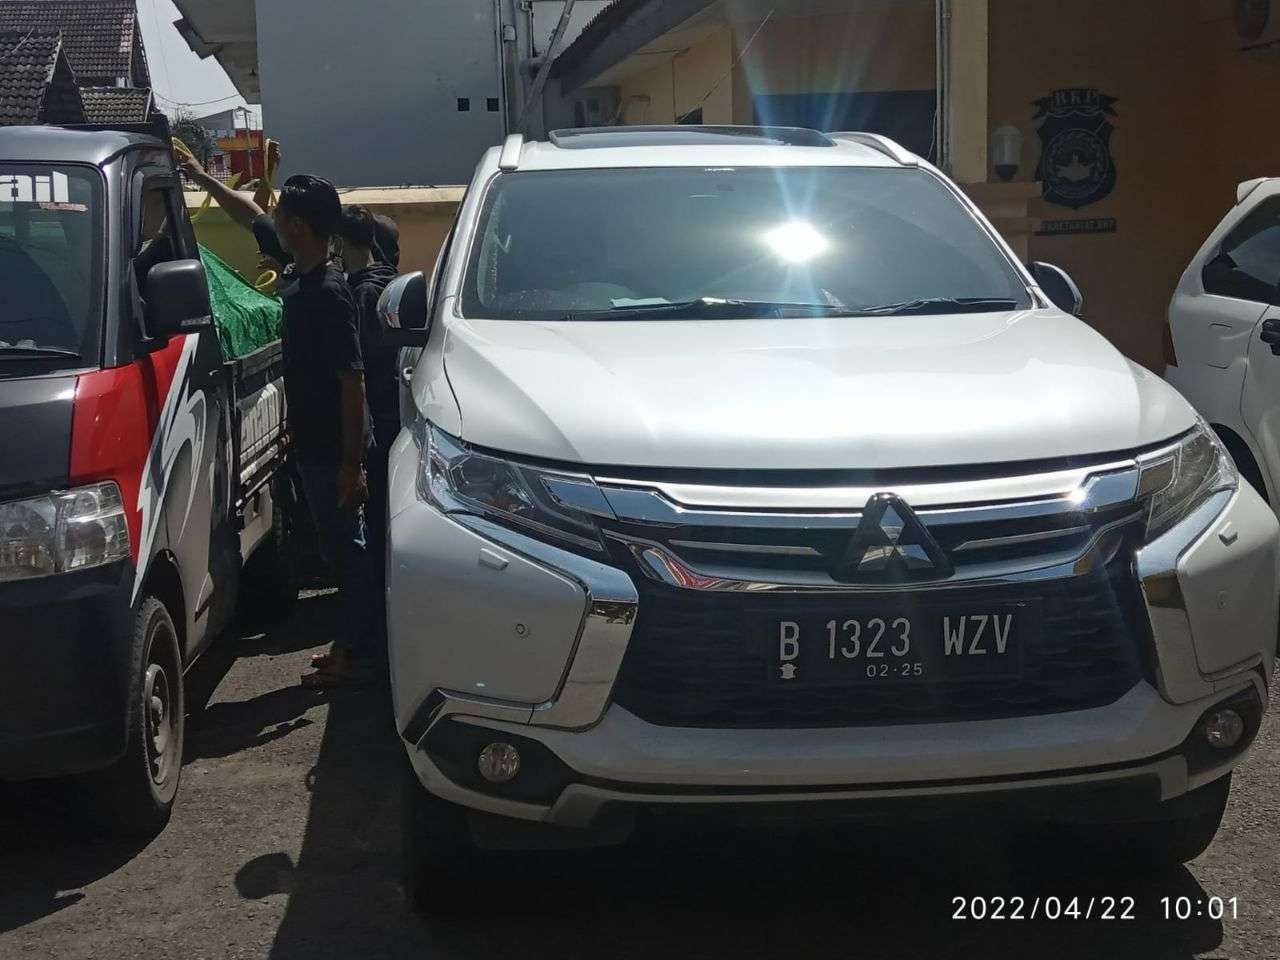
{"x": 500, "y": 762}
{"x": 1223, "y": 729}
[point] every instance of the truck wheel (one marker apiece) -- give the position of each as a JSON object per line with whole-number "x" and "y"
{"x": 439, "y": 869}
{"x": 271, "y": 577}
{"x": 1162, "y": 844}
{"x": 135, "y": 795}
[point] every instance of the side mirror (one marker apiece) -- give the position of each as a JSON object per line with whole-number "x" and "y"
{"x": 1271, "y": 335}
{"x": 177, "y": 299}
{"x": 1058, "y": 287}
{"x": 402, "y": 309}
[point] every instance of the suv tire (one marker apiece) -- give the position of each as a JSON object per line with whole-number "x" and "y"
{"x": 439, "y": 869}
{"x": 135, "y": 795}
{"x": 1162, "y": 844}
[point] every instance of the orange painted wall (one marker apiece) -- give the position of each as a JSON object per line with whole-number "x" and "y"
{"x": 1193, "y": 120}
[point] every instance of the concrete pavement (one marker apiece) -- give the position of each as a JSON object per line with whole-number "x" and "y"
{"x": 285, "y": 845}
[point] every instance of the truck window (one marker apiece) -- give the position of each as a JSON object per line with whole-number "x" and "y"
{"x": 51, "y": 258}
{"x": 159, "y": 241}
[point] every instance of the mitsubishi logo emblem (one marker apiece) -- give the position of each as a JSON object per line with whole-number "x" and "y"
{"x": 891, "y": 545}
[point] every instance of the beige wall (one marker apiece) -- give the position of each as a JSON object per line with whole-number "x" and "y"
{"x": 1192, "y": 121}
{"x": 871, "y": 51}
{"x": 424, "y": 216}
{"x": 678, "y": 84}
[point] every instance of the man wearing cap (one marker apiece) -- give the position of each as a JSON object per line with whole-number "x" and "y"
{"x": 325, "y": 392}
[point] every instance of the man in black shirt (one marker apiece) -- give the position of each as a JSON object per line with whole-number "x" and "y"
{"x": 359, "y": 243}
{"x": 324, "y": 391}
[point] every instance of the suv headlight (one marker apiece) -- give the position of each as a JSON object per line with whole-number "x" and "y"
{"x": 1198, "y": 468}
{"x": 60, "y": 532}
{"x": 544, "y": 503}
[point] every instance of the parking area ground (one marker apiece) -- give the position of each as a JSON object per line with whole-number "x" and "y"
{"x": 285, "y": 844}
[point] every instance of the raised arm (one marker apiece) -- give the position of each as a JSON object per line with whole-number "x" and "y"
{"x": 240, "y": 208}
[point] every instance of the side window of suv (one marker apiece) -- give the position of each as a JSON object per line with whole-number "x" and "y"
{"x": 1247, "y": 266}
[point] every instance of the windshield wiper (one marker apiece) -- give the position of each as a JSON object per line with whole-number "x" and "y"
{"x": 23, "y": 353}
{"x": 926, "y": 305}
{"x": 711, "y": 308}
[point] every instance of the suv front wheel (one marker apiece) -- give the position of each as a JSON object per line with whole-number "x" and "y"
{"x": 1160, "y": 844}
{"x": 439, "y": 868}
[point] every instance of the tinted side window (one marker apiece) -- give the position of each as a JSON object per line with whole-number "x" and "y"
{"x": 1248, "y": 265}
{"x": 159, "y": 230}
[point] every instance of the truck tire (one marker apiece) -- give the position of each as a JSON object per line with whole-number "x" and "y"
{"x": 439, "y": 869}
{"x": 135, "y": 795}
{"x": 270, "y": 583}
{"x": 1163, "y": 844}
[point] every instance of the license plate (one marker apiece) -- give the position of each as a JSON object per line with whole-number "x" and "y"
{"x": 907, "y": 645}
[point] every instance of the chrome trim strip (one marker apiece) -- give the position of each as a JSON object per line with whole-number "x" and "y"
{"x": 1060, "y": 484}
{"x": 612, "y": 603}
{"x": 947, "y": 503}
{"x": 763, "y": 549}
{"x": 1018, "y": 539}
{"x": 662, "y": 566}
{"x": 1156, "y": 566}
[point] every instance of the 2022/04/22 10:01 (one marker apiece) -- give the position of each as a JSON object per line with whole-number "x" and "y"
{"x": 1187, "y": 908}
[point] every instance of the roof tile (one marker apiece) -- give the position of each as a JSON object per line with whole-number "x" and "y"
{"x": 27, "y": 63}
{"x": 98, "y": 36}
{"x": 116, "y": 104}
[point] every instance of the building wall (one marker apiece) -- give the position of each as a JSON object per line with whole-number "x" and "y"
{"x": 697, "y": 77}
{"x": 872, "y": 51}
{"x": 366, "y": 94}
{"x": 1189, "y": 127}
{"x": 865, "y": 52}
{"x": 423, "y": 216}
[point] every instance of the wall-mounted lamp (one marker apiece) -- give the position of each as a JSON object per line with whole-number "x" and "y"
{"x": 1006, "y": 151}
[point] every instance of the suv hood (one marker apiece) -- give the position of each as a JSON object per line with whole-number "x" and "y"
{"x": 821, "y": 393}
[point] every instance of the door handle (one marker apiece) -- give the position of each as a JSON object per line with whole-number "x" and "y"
{"x": 1271, "y": 335}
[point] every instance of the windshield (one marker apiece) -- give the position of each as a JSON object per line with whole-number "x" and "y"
{"x": 50, "y": 262}
{"x": 591, "y": 244}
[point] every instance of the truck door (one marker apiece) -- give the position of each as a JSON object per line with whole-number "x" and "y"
{"x": 187, "y": 483}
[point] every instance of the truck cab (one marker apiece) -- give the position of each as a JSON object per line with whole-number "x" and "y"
{"x": 138, "y": 463}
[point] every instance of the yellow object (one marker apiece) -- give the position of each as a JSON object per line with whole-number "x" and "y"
{"x": 231, "y": 144}
{"x": 208, "y": 198}
{"x": 266, "y": 281}
{"x": 265, "y": 196}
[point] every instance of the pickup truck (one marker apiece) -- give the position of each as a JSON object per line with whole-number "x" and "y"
{"x": 141, "y": 466}
{"x": 749, "y": 476}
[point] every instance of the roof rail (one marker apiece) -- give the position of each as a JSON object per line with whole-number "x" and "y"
{"x": 890, "y": 148}
{"x": 510, "y": 156}
{"x": 653, "y": 135}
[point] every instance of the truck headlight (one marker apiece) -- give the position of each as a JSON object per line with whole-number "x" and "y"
{"x": 1198, "y": 468}
{"x": 61, "y": 532}
{"x": 544, "y": 503}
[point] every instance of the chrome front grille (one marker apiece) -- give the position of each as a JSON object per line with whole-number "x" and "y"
{"x": 691, "y": 661}
{"x": 712, "y": 563}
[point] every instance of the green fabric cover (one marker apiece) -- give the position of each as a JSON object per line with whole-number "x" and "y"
{"x": 246, "y": 319}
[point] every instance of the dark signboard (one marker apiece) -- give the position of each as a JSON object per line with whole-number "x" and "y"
{"x": 1076, "y": 166}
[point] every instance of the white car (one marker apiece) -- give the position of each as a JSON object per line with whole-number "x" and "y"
{"x": 1223, "y": 321}
{"x": 750, "y": 473}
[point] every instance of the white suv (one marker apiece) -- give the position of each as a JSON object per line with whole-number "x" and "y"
{"x": 1224, "y": 322}
{"x": 749, "y": 468}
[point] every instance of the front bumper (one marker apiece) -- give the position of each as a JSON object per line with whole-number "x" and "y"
{"x": 64, "y": 653}
{"x": 522, "y": 639}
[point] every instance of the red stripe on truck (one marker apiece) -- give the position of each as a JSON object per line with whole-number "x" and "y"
{"x": 114, "y": 421}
